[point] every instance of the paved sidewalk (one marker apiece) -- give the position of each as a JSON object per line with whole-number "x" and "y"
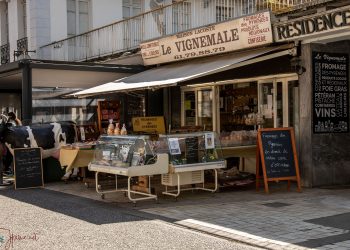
{"x": 315, "y": 218}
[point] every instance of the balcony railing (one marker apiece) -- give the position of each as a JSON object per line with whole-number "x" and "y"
{"x": 22, "y": 47}
{"x": 127, "y": 34}
{"x": 5, "y": 53}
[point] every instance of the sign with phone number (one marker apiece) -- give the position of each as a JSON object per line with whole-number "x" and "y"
{"x": 245, "y": 32}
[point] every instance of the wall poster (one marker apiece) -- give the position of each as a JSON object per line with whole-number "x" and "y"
{"x": 330, "y": 92}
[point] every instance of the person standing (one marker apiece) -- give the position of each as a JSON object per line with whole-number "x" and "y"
{"x": 13, "y": 119}
{"x": 7, "y": 157}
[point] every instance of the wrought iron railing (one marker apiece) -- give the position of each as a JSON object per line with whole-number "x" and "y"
{"x": 5, "y": 53}
{"x": 182, "y": 15}
{"x": 22, "y": 47}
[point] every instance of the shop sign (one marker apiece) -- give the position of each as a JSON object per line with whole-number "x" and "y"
{"x": 245, "y": 32}
{"x": 150, "y": 124}
{"x": 330, "y": 92}
{"x": 326, "y": 22}
{"x": 28, "y": 168}
{"x": 276, "y": 156}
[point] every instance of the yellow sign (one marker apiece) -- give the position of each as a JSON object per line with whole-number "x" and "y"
{"x": 151, "y": 124}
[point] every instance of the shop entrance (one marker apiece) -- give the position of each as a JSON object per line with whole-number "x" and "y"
{"x": 237, "y": 108}
{"x": 199, "y": 108}
{"x": 275, "y": 98}
{"x": 278, "y": 101}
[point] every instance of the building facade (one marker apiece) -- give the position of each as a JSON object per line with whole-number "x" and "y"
{"x": 299, "y": 78}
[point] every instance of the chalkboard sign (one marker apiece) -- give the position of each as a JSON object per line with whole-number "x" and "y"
{"x": 276, "y": 153}
{"x": 330, "y": 92}
{"x": 28, "y": 168}
{"x": 191, "y": 150}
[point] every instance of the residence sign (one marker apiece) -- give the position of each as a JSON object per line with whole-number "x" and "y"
{"x": 249, "y": 31}
{"x": 326, "y": 22}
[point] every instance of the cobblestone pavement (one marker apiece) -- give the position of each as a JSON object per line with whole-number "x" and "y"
{"x": 315, "y": 218}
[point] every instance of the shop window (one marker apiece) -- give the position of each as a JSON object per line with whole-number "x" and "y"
{"x": 52, "y": 104}
{"x": 205, "y": 108}
{"x": 266, "y": 103}
{"x": 77, "y": 17}
{"x": 135, "y": 106}
{"x": 176, "y": 107}
{"x": 198, "y": 111}
{"x": 190, "y": 108}
{"x": 238, "y": 104}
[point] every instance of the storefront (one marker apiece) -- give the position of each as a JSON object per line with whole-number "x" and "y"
{"x": 298, "y": 79}
{"x": 231, "y": 93}
{"x": 324, "y": 92}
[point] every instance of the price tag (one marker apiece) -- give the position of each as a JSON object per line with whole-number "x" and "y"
{"x": 174, "y": 146}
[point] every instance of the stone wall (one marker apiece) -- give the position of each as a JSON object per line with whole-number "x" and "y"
{"x": 324, "y": 158}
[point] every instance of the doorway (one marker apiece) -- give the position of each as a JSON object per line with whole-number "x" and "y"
{"x": 199, "y": 107}
{"x": 278, "y": 101}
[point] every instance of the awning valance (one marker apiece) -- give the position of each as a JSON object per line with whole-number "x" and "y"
{"x": 172, "y": 74}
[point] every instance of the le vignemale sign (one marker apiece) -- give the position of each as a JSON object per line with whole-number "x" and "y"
{"x": 249, "y": 31}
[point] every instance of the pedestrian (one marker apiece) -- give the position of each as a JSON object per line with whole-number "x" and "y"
{"x": 13, "y": 119}
{"x": 7, "y": 156}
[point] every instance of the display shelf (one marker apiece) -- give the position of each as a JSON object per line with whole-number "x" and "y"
{"x": 189, "y": 156}
{"x": 130, "y": 156}
{"x": 107, "y": 110}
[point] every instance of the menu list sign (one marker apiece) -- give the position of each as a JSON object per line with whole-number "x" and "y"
{"x": 278, "y": 153}
{"x": 191, "y": 150}
{"x": 276, "y": 157}
{"x": 330, "y": 92}
{"x": 28, "y": 168}
{"x": 249, "y": 31}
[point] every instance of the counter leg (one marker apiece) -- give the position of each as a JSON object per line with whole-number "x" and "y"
{"x": 96, "y": 182}
{"x": 178, "y": 185}
{"x": 216, "y": 180}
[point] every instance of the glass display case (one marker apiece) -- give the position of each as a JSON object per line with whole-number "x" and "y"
{"x": 130, "y": 156}
{"x": 189, "y": 156}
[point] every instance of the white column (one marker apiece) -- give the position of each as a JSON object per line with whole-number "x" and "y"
{"x": 13, "y": 26}
{"x": 3, "y": 38}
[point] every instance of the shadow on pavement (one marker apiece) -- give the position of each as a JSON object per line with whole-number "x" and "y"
{"x": 88, "y": 210}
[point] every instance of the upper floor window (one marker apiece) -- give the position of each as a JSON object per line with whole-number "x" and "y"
{"x": 22, "y": 18}
{"x": 225, "y": 10}
{"x": 77, "y": 17}
{"x": 4, "y": 25}
{"x": 131, "y": 8}
{"x": 181, "y": 16}
{"x": 228, "y": 9}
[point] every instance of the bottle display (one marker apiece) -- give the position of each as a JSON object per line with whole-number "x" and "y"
{"x": 123, "y": 130}
{"x": 117, "y": 129}
{"x": 110, "y": 128}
